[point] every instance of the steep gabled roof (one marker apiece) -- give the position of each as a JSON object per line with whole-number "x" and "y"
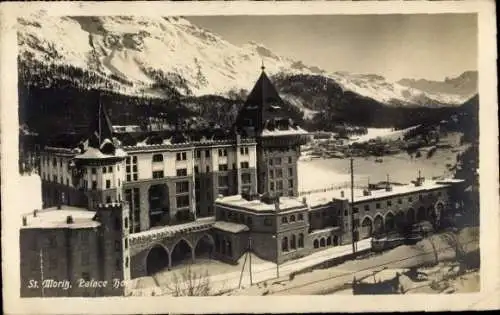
{"x": 100, "y": 128}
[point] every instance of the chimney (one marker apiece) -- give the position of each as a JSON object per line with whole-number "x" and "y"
{"x": 367, "y": 192}
{"x": 25, "y": 221}
{"x": 277, "y": 203}
{"x": 342, "y": 194}
{"x": 388, "y": 186}
{"x": 69, "y": 219}
{"x": 35, "y": 213}
{"x": 304, "y": 200}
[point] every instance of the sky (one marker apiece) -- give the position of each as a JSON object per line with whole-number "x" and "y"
{"x": 396, "y": 46}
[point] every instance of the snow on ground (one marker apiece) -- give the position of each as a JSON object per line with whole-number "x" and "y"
{"x": 334, "y": 279}
{"x": 261, "y": 271}
{"x": 32, "y": 185}
{"x": 387, "y": 134}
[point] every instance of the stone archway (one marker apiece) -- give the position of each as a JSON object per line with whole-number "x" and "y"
{"x": 322, "y": 242}
{"x": 400, "y": 221}
{"x": 366, "y": 228}
{"x": 421, "y": 215}
{"x": 378, "y": 224}
{"x": 157, "y": 260}
{"x": 410, "y": 216}
{"x": 204, "y": 247}
{"x": 182, "y": 252}
{"x": 389, "y": 222}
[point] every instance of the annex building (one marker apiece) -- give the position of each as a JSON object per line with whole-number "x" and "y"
{"x": 121, "y": 206}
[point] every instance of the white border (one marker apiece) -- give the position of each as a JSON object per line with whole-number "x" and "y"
{"x": 13, "y": 196}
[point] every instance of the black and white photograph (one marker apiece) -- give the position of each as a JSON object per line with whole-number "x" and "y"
{"x": 234, "y": 155}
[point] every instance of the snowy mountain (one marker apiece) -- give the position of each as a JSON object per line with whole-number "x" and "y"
{"x": 140, "y": 56}
{"x": 461, "y": 87}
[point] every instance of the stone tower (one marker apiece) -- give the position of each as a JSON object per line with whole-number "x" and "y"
{"x": 265, "y": 117}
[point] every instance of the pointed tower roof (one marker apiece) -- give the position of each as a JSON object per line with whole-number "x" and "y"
{"x": 264, "y": 110}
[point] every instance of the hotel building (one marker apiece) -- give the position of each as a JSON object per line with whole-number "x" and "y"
{"x": 180, "y": 197}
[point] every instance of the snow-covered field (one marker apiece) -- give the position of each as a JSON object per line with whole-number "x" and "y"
{"x": 32, "y": 188}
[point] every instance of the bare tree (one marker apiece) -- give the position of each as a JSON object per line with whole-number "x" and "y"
{"x": 189, "y": 282}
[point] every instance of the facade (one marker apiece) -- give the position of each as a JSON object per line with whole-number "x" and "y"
{"x": 169, "y": 198}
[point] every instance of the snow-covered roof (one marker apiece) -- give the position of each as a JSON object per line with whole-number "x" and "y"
{"x": 287, "y": 132}
{"x": 166, "y": 231}
{"x": 230, "y": 227}
{"x": 285, "y": 203}
{"x": 320, "y": 198}
{"x": 53, "y": 218}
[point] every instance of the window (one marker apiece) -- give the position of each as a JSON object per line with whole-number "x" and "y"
{"x": 181, "y": 187}
{"x": 290, "y": 172}
{"x": 271, "y": 162}
{"x": 389, "y": 203}
{"x": 300, "y": 217}
{"x": 108, "y": 199}
{"x": 67, "y": 182}
{"x": 126, "y": 223}
{"x": 439, "y": 194}
{"x": 284, "y": 244}
{"x": 198, "y": 154}
{"x": 267, "y": 222}
{"x": 118, "y": 246}
{"x": 207, "y": 153}
{"x": 158, "y": 174}
{"x": 279, "y": 185}
{"x": 126, "y": 262}
{"x": 181, "y": 172}
{"x": 207, "y": 169}
{"x": 284, "y": 220}
{"x": 110, "y": 169}
{"x": 119, "y": 182}
{"x": 158, "y": 158}
{"x": 290, "y": 183}
{"x": 410, "y": 199}
{"x": 271, "y": 185}
{"x": 94, "y": 171}
{"x": 377, "y": 205}
{"x": 367, "y": 207}
{"x": 292, "y": 218}
{"x": 224, "y": 181}
{"x": 222, "y": 167}
{"x": 420, "y": 197}
{"x": 222, "y": 152}
{"x": 182, "y": 201}
{"x": 249, "y": 221}
{"x": 94, "y": 184}
{"x": 196, "y": 170}
{"x": 131, "y": 168}
{"x": 244, "y": 165}
{"x": 244, "y": 150}
{"x": 277, "y": 161}
{"x": 108, "y": 183}
{"x": 54, "y": 162}
{"x": 400, "y": 201}
{"x": 279, "y": 173}
{"x": 271, "y": 174}
{"x": 104, "y": 169}
{"x": 181, "y": 156}
{"x": 246, "y": 179}
{"x": 293, "y": 242}
{"x": 355, "y": 210}
{"x": 301, "y": 240}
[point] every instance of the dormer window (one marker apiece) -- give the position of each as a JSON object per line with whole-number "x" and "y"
{"x": 158, "y": 158}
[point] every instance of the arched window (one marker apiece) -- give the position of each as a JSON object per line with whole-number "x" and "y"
{"x": 292, "y": 218}
{"x": 284, "y": 220}
{"x": 158, "y": 158}
{"x": 249, "y": 221}
{"x": 301, "y": 240}
{"x": 284, "y": 244}
{"x": 293, "y": 242}
{"x": 242, "y": 218}
{"x": 322, "y": 242}
{"x": 300, "y": 217}
{"x": 316, "y": 244}
{"x": 329, "y": 241}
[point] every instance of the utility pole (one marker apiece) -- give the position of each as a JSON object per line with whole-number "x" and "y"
{"x": 250, "y": 258}
{"x": 353, "y": 228}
